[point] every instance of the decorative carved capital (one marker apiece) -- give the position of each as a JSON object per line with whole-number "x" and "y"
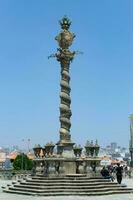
{"x": 65, "y": 56}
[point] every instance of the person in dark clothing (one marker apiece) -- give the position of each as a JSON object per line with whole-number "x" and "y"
{"x": 105, "y": 174}
{"x": 119, "y": 171}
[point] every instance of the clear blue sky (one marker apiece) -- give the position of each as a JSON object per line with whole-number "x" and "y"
{"x": 101, "y": 78}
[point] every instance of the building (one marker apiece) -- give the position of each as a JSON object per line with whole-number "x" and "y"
{"x": 2, "y": 159}
{"x": 131, "y": 137}
{"x": 113, "y": 146}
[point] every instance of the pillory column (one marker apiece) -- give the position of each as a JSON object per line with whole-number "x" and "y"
{"x": 65, "y": 56}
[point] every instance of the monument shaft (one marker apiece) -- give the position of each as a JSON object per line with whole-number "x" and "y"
{"x": 65, "y": 56}
{"x": 65, "y": 101}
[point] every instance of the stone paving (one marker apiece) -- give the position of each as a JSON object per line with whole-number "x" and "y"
{"x": 5, "y": 196}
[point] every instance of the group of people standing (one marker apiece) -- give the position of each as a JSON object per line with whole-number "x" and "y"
{"x": 108, "y": 173}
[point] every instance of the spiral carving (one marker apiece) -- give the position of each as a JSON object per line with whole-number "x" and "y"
{"x": 65, "y": 111}
{"x": 65, "y": 56}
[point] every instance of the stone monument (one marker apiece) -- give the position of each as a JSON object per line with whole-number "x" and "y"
{"x": 68, "y": 158}
{"x": 65, "y": 57}
{"x": 66, "y": 170}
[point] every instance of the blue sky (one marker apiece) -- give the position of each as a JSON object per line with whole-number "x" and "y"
{"x": 101, "y": 78}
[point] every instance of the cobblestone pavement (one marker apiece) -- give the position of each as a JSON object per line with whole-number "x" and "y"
{"x": 5, "y": 196}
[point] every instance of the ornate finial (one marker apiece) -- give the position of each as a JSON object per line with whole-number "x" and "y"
{"x": 65, "y": 38}
{"x": 65, "y": 23}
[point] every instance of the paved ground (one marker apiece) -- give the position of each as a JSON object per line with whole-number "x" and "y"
{"x": 4, "y": 196}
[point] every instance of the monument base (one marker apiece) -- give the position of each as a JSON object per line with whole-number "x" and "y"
{"x": 68, "y": 150}
{"x": 69, "y": 167}
{"x": 65, "y": 148}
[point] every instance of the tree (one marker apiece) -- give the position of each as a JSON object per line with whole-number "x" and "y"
{"x": 131, "y": 163}
{"x": 22, "y": 162}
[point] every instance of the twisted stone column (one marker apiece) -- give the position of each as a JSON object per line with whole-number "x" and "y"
{"x": 65, "y": 56}
{"x": 65, "y": 111}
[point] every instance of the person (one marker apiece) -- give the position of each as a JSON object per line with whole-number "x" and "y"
{"x": 119, "y": 171}
{"x": 105, "y": 174}
{"x": 125, "y": 170}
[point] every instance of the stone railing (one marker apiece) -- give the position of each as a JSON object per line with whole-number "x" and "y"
{"x": 56, "y": 167}
{"x": 49, "y": 163}
{"x": 13, "y": 174}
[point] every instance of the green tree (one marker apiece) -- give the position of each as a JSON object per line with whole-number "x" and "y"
{"x": 131, "y": 163}
{"x": 22, "y": 162}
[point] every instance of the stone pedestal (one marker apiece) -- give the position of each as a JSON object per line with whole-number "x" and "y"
{"x": 69, "y": 167}
{"x": 62, "y": 166}
{"x": 68, "y": 150}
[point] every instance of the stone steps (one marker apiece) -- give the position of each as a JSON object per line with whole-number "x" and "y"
{"x": 61, "y": 186}
{"x": 68, "y": 194}
{"x": 69, "y": 181}
{"x": 66, "y": 178}
{"x": 66, "y": 186}
{"x": 45, "y": 190}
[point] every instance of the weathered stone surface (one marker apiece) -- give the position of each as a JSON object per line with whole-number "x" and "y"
{"x": 64, "y": 186}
